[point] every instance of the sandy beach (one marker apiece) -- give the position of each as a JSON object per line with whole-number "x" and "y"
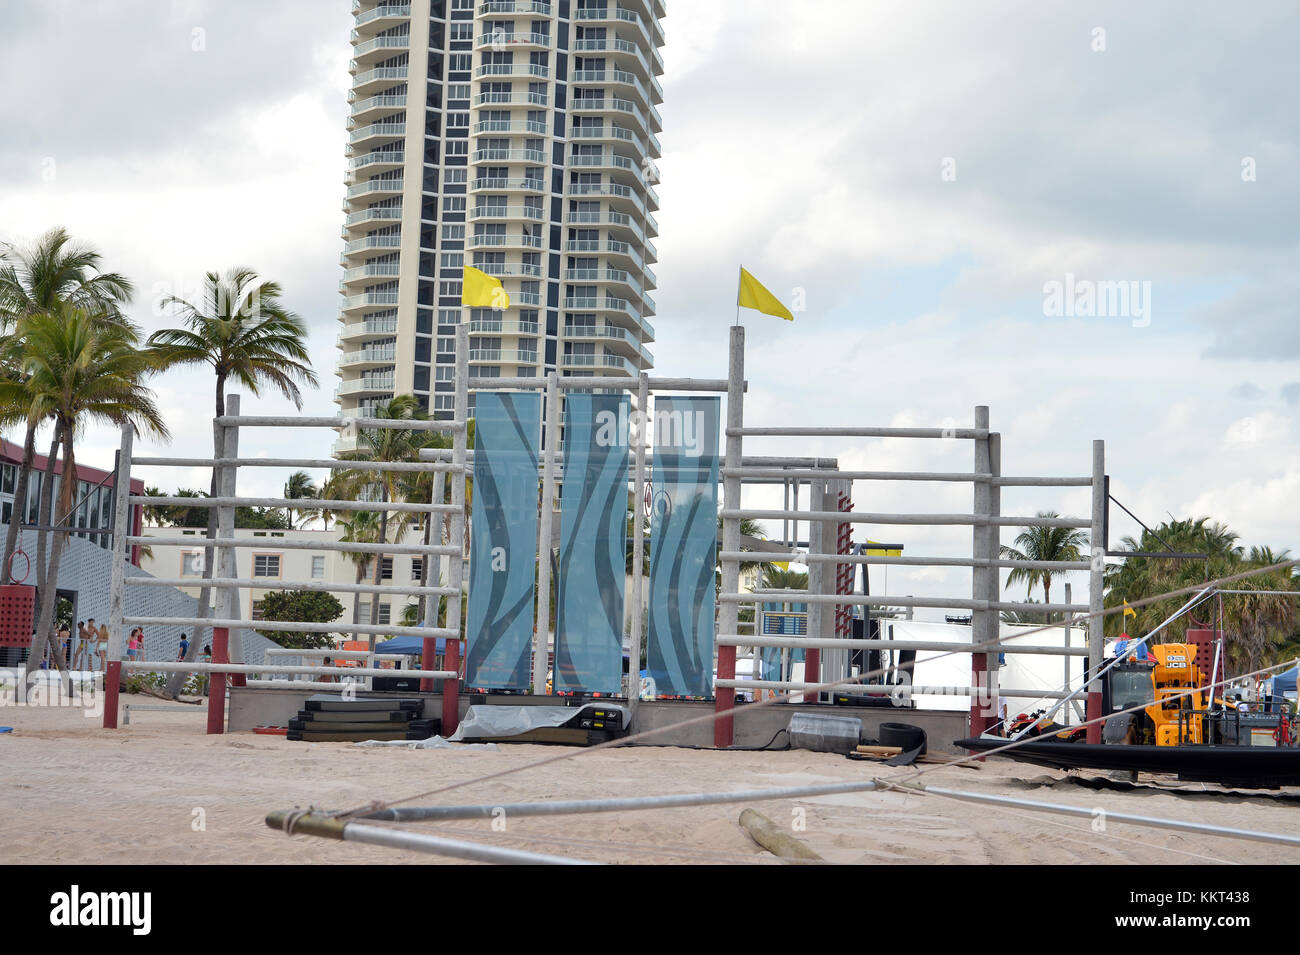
{"x": 160, "y": 791}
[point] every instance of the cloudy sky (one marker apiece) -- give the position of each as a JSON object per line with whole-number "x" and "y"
{"x": 918, "y": 173}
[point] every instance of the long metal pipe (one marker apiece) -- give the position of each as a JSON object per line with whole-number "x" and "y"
{"x": 887, "y": 689}
{"x": 312, "y": 825}
{"x": 282, "y": 668}
{"x": 378, "y": 424}
{"x": 921, "y": 519}
{"x": 332, "y": 463}
{"x": 628, "y": 804}
{"x": 966, "y": 433}
{"x": 286, "y": 626}
{"x": 622, "y": 384}
{"x": 806, "y": 558}
{"x": 314, "y": 585}
{"x": 315, "y": 503}
{"x": 845, "y": 643}
{"x": 289, "y": 543}
{"x": 799, "y": 596}
{"x": 1154, "y": 822}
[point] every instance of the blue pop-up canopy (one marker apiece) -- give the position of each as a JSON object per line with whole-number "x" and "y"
{"x": 413, "y": 646}
{"x": 1285, "y": 682}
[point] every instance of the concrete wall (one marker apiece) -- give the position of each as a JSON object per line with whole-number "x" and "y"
{"x": 257, "y": 706}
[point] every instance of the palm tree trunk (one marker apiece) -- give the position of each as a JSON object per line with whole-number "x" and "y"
{"x": 48, "y": 585}
{"x": 46, "y": 505}
{"x": 20, "y": 500}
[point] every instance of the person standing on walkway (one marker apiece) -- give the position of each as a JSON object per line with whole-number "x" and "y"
{"x": 184, "y": 649}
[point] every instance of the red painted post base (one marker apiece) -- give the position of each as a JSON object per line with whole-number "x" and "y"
{"x": 451, "y": 690}
{"x": 112, "y": 683}
{"x": 1094, "y": 713}
{"x": 427, "y": 652}
{"x": 812, "y": 672}
{"x": 724, "y": 729}
{"x": 980, "y": 720}
{"x": 217, "y": 684}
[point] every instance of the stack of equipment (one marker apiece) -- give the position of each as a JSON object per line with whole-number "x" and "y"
{"x": 590, "y": 725}
{"x": 329, "y": 718}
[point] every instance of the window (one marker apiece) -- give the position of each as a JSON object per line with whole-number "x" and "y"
{"x": 266, "y": 565}
{"x": 452, "y": 260}
{"x": 192, "y": 563}
{"x": 458, "y": 175}
{"x": 363, "y": 612}
{"x": 446, "y": 346}
{"x": 386, "y": 569}
{"x": 453, "y": 232}
{"x": 457, "y": 91}
{"x": 460, "y": 62}
{"x": 417, "y": 568}
{"x": 445, "y": 373}
{"x": 462, "y": 31}
{"x": 318, "y": 566}
{"x": 453, "y": 203}
{"x": 258, "y": 613}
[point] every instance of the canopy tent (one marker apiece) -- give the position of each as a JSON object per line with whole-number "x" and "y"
{"x": 1285, "y": 682}
{"x": 413, "y": 646}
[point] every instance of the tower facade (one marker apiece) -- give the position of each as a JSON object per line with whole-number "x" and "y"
{"x": 516, "y": 136}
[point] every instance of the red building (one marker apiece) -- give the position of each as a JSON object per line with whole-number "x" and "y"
{"x": 94, "y": 496}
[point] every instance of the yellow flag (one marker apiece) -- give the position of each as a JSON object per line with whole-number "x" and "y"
{"x": 753, "y": 295}
{"x": 876, "y": 551}
{"x": 1128, "y": 611}
{"x": 481, "y": 290}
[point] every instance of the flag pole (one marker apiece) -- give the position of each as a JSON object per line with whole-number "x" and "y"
{"x": 739, "y": 268}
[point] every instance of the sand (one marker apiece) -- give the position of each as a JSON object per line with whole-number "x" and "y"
{"x": 161, "y": 791}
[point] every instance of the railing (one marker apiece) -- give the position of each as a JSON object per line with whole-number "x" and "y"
{"x": 375, "y": 185}
{"x": 503, "y": 38}
{"x": 221, "y": 577}
{"x": 829, "y": 515}
{"x": 517, "y": 126}
{"x": 395, "y": 157}
{"x": 377, "y": 129}
{"x": 535, "y": 156}
{"x": 512, "y": 99}
{"x": 379, "y": 73}
{"x": 510, "y": 69}
{"x": 384, "y": 10}
{"x": 506, "y": 212}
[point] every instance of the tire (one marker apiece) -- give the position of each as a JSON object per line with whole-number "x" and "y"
{"x": 902, "y": 734}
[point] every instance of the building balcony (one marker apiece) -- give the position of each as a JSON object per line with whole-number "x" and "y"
{"x": 364, "y": 109}
{"x": 514, "y": 6}
{"x": 370, "y": 80}
{"x": 523, "y": 70}
{"x": 609, "y": 218}
{"x": 512, "y": 99}
{"x": 531, "y": 157}
{"x": 504, "y": 241}
{"x": 501, "y": 40}
{"x": 368, "y": 216}
{"x": 504, "y": 356}
{"x": 598, "y": 363}
{"x": 503, "y": 326}
{"x": 368, "y": 243}
{"x": 608, "y": 335}
{"x": 377, "y": 131}
{"x": 377, "y": 161}
{"x": 379, "y": 270}
{"x": 616, "y": 104}
{"x": 509, "y": 270}
{"x": 374, "y": 187}
{"x": 518, "y": 127}
{"x": 375, "y": 49}
{"x": 507, "y": 212}
{"x": 385, "y": 11}
{"x": 384, "y": 355}
{"x": 357, "y": 330}
{"x": 366, "y": 383}
{"x": 615, "y": 191}
{"x": 509, "y": 185}
{"x": 614, "y": 77}
{"x": 615, "y": 276}
{"x": 369, "y": 300}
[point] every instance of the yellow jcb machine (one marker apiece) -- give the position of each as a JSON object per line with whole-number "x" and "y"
{"x": 1166, "y": 718}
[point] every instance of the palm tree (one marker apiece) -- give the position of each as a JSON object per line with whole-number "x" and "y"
{"x": 301, "y": 487}
{"x": 80, "y": 369}
{"x": 39, "y": 279}
{"x": 362, "y": 527}
{"x": 387, "y": 444}
{"x": 243, "y": 331}
{"x": 1044, "y": 544}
